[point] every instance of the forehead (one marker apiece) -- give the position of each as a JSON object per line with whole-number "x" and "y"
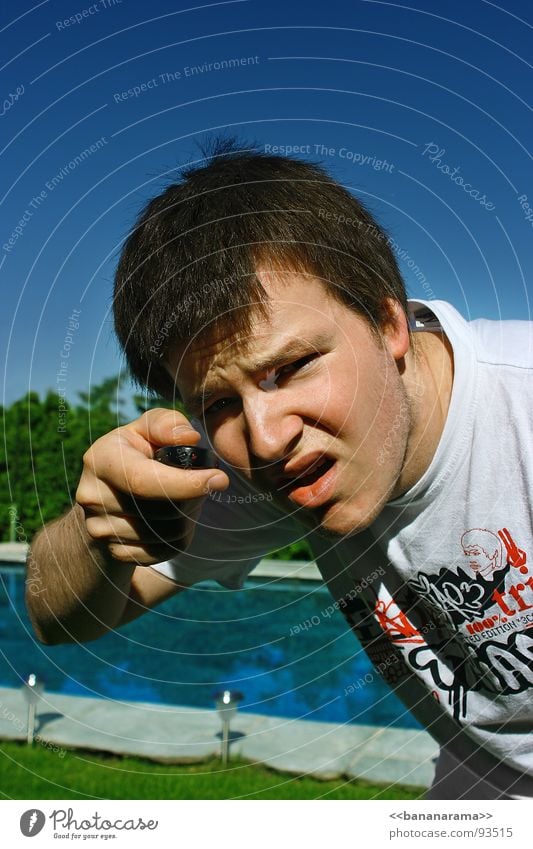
{"x": 283, "y": 292}
{"x": 301, "y": 312}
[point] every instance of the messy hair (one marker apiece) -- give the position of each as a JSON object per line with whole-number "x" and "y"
{"x": 189, "y": 264}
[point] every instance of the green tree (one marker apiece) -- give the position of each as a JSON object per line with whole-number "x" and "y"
{"x": 151, "y": 402}
{"x": 42, "y": 449}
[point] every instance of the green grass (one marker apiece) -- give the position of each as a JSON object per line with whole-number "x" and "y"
{"x": 40, "y": 773}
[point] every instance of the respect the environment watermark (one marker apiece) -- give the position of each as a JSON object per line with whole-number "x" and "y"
{"x": 184, "y": 73}
{"x": 401, "y": 253}
{"x": 40, "y": 197}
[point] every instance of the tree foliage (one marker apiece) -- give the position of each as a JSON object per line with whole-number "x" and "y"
{"x": 41, "y": 451}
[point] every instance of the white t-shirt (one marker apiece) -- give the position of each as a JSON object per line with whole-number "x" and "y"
{"x": 440, "y": 589}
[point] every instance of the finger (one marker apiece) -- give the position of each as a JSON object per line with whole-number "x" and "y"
{"x": 164, "y": 427}
{"x": 124, "y": 467}
{"x": 162, "y": 511}
{"x": 145, "y": 555}
{"x": 97, "y": 496}
{"x": 125, "y": 530}
{"x": 100, "y": 498}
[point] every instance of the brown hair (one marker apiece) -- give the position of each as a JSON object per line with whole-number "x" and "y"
{"x": 190, "y": 261}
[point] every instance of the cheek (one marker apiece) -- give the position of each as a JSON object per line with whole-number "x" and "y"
{"x": 228, "y": 442}
{"x": 379, "y": 426}
{"x": 340, "y": 412}
{"x": 328, "y": 399}
{"x": 360, "y": 395}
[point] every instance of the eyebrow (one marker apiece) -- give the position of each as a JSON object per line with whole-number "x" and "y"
{"x": 292, "y": 348}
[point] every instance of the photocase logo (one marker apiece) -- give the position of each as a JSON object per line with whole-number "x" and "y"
{"x": 32, "y": 822}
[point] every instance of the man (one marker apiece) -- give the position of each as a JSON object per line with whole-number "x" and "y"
{"x": 387, "y": 434}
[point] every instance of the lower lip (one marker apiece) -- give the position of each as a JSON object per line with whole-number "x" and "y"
{"x": 317, "y": 493}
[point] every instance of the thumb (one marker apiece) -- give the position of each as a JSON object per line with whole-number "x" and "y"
{"x": 165, "y": 427}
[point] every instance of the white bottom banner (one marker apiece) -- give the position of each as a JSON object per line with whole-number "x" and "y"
{"x": 256, "y": 824}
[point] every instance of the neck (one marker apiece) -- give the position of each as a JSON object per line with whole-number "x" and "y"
{"x": 428, "y": 381}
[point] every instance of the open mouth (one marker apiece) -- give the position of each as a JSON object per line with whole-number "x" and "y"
{"x": 312, "y": 488}
{"x": 310, "y": 477}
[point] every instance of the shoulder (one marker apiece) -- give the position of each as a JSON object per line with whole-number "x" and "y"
{"x": 498, "y": 343}
{"x": 504, "y": 343}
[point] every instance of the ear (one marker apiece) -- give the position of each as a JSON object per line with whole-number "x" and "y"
{"x": 394, "y": 328}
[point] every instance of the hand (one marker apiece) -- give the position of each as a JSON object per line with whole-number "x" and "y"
{"x": 143, "y": 511}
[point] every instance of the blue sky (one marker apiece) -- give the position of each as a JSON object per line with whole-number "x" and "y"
{"x": 399, "y": 103}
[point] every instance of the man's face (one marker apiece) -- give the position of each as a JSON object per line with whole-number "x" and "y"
{"x": 308, "y": 408}
{"x": 479, "y": 561}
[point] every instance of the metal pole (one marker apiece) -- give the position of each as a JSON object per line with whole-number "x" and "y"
{"x": 32, "y": 689}
{"x": 31, "y": 723}
{"x": 225, "y": 741}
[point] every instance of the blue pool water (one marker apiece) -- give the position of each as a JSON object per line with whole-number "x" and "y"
{"x": 207, "y": 639}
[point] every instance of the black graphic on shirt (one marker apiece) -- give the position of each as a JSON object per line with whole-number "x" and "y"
{"x": 464, "y": 628}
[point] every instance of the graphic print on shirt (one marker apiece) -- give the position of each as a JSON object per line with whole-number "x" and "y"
{"x": 462, "y": 628}
{"x": 395, "y": 623}
{"x": 486, "y": 607}
{"x": 388, "y": 662}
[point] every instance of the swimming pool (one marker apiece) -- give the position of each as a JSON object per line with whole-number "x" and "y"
{"x": 270, "y": 640}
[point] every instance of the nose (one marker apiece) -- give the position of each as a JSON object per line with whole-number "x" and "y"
{"x": 273, "y": 431}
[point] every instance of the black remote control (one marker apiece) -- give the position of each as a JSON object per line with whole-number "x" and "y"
{"x": 186, "y": 457}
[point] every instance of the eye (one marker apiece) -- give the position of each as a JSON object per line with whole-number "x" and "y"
{"x": 297, "y": 365}
{"x": 221, "y": 404}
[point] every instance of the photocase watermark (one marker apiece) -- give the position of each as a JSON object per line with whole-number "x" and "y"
{"x": 61, "y": 376}
{"x": 88, "y": 12}
{"x": 353, "y": 156}
{"x": 16, "y": 524}
{"x": 328, "y": 611}
{"x": 34, "y": 583}
{"x": 399, "y": 421}
{"x": 50, "y": 185}
{"x": 401, "y": 254}
{"x": 11, "y": 99}
{"x": 33, "y": 580}
{"x": 32, "y": 822}
{"x": 435, "y": 155}
{"x": 66, "y": 825}
{"x": 182, "y": 74}
{"x": 526, "y": 208}
{"x": 65, "y": 819}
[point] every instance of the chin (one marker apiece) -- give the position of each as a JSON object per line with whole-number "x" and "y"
{"x": 345, "y": 520}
